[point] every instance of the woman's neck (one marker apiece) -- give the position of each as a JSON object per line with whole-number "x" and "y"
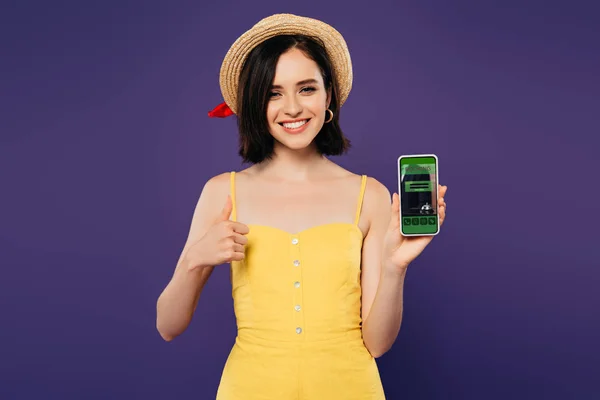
{"x": 294, "y": 165}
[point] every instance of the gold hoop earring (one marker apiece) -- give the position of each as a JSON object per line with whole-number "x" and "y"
{"x": 330, "y": 118}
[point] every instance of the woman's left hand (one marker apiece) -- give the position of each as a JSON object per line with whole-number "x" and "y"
{"x": 399, "y": 251}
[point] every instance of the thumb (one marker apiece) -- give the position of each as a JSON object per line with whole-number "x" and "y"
{"x": 395, "y": 218}
{"x": 226, "y": 212}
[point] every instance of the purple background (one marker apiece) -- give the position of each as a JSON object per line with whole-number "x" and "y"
{"x": 105, "y": 146}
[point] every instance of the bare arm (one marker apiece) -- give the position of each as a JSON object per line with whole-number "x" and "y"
{"x": 382, "y": 287}
{"x": 177, "y": 303}
{"x": 386, "y": 257}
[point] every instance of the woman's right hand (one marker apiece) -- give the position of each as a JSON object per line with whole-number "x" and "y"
{"x": 224, "y": 242}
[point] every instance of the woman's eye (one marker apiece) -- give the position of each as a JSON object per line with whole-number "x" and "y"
{"x": 273, "y": 94}
{"x": 309, "y": 89}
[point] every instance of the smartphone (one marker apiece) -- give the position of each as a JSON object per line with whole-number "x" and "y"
{"x": 418, "y": 191}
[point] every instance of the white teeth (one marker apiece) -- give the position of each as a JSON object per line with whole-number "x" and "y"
{"x": 295, "y": 125}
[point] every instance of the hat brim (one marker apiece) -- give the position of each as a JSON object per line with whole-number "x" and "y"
{"x": 286, "y": 24}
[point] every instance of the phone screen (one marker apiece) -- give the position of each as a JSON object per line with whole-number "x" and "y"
{"x": 418, "y": 195}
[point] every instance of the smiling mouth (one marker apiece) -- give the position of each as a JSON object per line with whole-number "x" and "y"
{"x": 294, "y": 125}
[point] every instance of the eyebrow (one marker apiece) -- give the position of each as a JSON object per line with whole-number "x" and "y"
{"x": 304, "y": 82}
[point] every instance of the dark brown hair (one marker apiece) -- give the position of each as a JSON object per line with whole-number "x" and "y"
{"x": 256, "y": 78}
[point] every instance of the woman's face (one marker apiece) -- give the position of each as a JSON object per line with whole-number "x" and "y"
{"x": 297, "y": 101}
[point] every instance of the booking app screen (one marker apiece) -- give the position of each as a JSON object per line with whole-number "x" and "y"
{"x": 418, "y": 195}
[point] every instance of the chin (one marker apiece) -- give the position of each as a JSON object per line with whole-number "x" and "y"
{"x": 295, "y": 142}
{"x": 298, "y": 144}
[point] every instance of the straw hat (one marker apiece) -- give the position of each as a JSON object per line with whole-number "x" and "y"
{"x": 283, "y": 24}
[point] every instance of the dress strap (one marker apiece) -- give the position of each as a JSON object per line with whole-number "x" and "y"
{"x": 363, "y": 185}
{"x": 232, "y": 194}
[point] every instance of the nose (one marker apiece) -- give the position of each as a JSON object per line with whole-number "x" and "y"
{"x": 292, "y": 106}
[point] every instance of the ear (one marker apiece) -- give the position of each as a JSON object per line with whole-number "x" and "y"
{"x": 328, "y": 98}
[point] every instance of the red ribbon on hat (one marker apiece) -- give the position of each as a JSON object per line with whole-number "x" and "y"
{"x": 220, "y": 111}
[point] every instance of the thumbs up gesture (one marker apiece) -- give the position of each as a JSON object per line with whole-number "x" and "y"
{"x": 223, "y": 242}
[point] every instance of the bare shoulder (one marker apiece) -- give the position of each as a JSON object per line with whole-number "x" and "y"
{"x": 209, "y": 205}
{"x": 377, "y": 198}
{"x": 377, "y": 202}
{"x": 214, "y": 193}
{"x": 218, "y": 183}
{"x": 376, "y": 192}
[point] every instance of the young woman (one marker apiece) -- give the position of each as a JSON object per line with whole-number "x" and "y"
{"x": 316, "y": 256}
